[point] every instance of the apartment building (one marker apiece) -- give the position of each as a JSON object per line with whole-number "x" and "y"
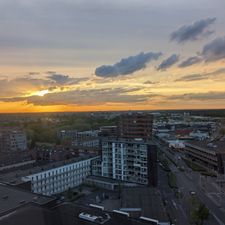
{"x": 55, "y": 180}
{"x": 12, "y": 140}
{"x": 77, "y": 135}
{"x": 129, "y": 160}
{"x": 91, "y": 142}
{"x": 136, "y": 125}
{"x": 208, "y": 154}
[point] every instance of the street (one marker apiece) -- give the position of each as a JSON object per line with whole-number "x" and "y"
{"x": 187, "y": 181}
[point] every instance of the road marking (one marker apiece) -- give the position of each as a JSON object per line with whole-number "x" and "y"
{"x": 182, "y": 210}
{"x": 218, "y": 220}
{"x": 174, "y": 203}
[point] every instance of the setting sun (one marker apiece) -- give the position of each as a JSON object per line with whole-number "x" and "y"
{"x": 41, "y": 93}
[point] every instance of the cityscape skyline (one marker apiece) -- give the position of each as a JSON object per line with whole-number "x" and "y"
{"x": 98, "y": 56}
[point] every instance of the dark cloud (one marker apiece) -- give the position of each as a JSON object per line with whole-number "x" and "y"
{"x": 127, "y": 65}
{"x": 61, "y": 79}
{"x": 218, "y": 71}
{"x": 150, "y": 82}
{"x": 168, "y": 62}
{"x": 190, "y": 61}
{"x": 22, "y": 85}
{"x": 214, "y": 50}
{"x": 195, "y": 31}
{"x": 210, "y": 75}
{"x": 86, "y": 97}
{"x": 192, "y": 77}
{"x": 213, "y": 95}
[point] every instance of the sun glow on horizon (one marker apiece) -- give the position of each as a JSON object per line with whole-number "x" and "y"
{"x": 41, "y": 93}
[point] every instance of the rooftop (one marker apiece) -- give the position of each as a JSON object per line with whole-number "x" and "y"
{"x": 66, "y": 214}
{"x": 104, "y": 179}
{"x": 128, "y": 140}
{"x": 14, "y": 177}
{"x": 216, "y": 146}
{"x": 12, "y": 197}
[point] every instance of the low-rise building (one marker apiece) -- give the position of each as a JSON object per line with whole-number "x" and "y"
{"x": 199, "y": 135}
{"x": 59, "y": 179}
{"x": 51, "y": 178}
{"x": 208, "y": 154}
{"x": 91, "y": 142}
{"x": 74, "y": 134}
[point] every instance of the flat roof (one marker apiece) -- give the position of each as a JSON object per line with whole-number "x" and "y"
{"x": 216, "y": 146}
{"x": 30, "y": 214}
{"x": 105, "y": 179}
{"x": 146, "y": 198}
{"x": 14, "y": 177}
{"x": 13, "y": 197}
{"x": 129, "y": 140}
{"x": 66, "y": 214}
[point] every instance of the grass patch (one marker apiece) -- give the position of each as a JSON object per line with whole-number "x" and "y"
{"x": 172, "y": 180}
{"x": 210, "y": 174}
{"x": 165, "y": 164}
{"x": 198, "y": 211}
{"x": 194, "y": 166}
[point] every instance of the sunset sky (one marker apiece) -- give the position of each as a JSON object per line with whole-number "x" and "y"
{"x": 88, "y": 55}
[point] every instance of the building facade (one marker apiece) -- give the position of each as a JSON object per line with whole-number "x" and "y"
{"x": 59, "y": 179}
{"x": 77, "y": 135}
{"x": 129, "y": 160}
{"x": 136, "y": 125}
{"x": 12, "y": 140}
{"x": 91, "y": 142}
{"x": 209, "y": 155}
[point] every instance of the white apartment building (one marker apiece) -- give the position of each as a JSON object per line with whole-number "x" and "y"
{"x": 129, "y": 160}
{"x": 59, "y": 179}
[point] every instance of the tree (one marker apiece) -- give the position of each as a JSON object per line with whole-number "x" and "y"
{"x": 199, "y": 212}
{"x": 222, "y": 131}
{"x": 69, "y": 194}
{"x": 203, "y": 213}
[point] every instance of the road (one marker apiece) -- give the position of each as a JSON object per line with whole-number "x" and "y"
{"x": 188, "y": 181}
{"x": 173, "y": 205}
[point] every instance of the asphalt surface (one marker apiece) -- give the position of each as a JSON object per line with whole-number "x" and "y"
{"x": 187, "y": 181}
{"x": 174, "y": 208}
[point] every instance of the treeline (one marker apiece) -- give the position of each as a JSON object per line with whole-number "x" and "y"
{"x": 45, "y": 129}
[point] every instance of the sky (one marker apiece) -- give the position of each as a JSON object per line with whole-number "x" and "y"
{"x": 99, "y": 55}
